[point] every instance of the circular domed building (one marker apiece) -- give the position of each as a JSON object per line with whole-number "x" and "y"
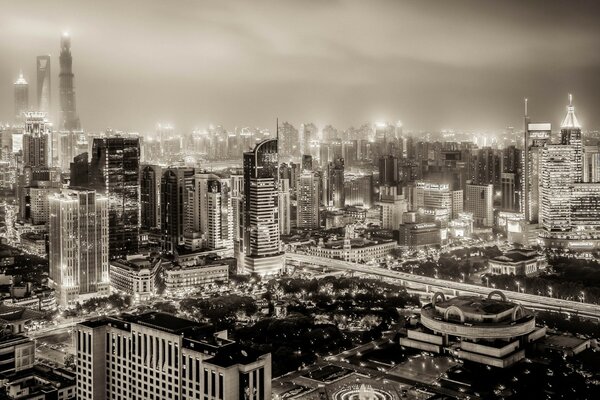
{"x": 489, "y": 330}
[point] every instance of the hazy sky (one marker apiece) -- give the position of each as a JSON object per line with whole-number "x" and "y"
{"x": 432, "y": 64}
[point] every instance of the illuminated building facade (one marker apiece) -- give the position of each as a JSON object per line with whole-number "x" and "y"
{"x": 78, "y": 245}
{"x": 43, "y": 84}
{"x": 115, "y": 173}
{"x": 36, "y": 140}
{"x": 479, "y": 200}
{"x": 556, "y": 181}
{"x": 21, "y": 98}
{"x": 308, "y": 199}
{"x": 262, "y": 253}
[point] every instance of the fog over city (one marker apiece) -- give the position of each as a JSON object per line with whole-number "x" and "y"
{"x": 462, "y": 65}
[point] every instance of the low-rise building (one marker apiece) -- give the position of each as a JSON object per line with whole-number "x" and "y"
{"x": 353, "y": 250}
{"x": 182, "y": 278}
{"x": 34, "y": 243}
{"x": 39, "y": 383}
{"x": 17, "y": 352}
{"x": 418, "y": 235}
{"x": 483, "y": 330}
{"x": 518, "y": 262}
{"x": 138, "y": 276}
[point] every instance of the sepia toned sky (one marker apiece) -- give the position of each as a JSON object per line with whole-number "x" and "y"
{"x": 432, "y": 64}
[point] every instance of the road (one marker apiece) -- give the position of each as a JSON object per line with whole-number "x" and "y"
{"x": 430, "y": 285}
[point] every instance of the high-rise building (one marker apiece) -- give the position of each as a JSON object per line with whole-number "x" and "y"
{"x": 159, "y": 356}
{"x": 308, "y": 200}
{"x": 557, "y": 177}
{"x": 479, "y": 201}
{"x": 218, "y": 234}
{"x": 358, "y": 191}
{"x": 44, "y": 94}
{"x": 115, "y": 173}
{"x": 78, "y": 244}
{"x": 285, "y": 207}
{"x": 570, "y": 134}
{"x": 80, "y": 171}
{"x": 508, "y": 190}
{"x": 150, "y": 181}
{"x": 388, "y": 171}
{"x": 393, "y": 206}
{"x": 21, "y": 98}
{"x": 36, "y": 140}
{"x": 175, "y": 183}
{"x": 335, "y": 184}
{"x": 537, "y": 135}
{"x": 69, "y": 120}
{"x": 69, "y": 145}
{"x": 591, "y": 164}
{"x": 262, "y": 252}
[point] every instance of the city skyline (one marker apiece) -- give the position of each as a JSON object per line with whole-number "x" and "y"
{"x": 207, "y": 63}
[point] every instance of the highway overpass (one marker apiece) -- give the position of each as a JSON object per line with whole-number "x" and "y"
{"x": 432, "y": 285}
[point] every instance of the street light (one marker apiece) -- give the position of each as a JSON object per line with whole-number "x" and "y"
{"x": 518, "y": 287}
{"x": 582, "y": 296}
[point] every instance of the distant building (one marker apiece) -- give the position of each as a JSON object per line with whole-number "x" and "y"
{"x": 419, "y": 235}
{"x": 44, "y": 94}
{"x": 308, "y": 200}
{"x": 36, "y": 140}
{"x": 518, "y": 262}
{"x": 173, "y": 191}
{"x": 479, "y": 200}
{"x": 69, "y": 120}
{"x": 159, "y": 356}
{"x": 21, "y": 98}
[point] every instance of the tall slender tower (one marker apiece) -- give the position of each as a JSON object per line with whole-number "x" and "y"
{"x": 21, "y": 98}
{"x": 43, "y": 84}
{"x": 570, "y": 134}
{"x": 262, "y": 253}
{"x": 69, "y": 120}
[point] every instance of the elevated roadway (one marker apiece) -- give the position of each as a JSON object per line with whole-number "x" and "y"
{"x": 430, "y": 285}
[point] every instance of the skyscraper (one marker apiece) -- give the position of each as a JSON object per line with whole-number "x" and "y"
{"x": 21, "y": 98}
{"x": 69, "y": 120}
{"x": 308, "y": 199}
{"x": 150, "y": 182}
{"x": 335, "y": 184}
{"x": 556, "y": 185}
{"x": 78, "y": 238}
{"x": 174, "y": 186}
{"x": 114, "y": 173}
{"x": 536, "y": 137}
{"x": 570, "y": 134}
{"x": 261, "y": 241}
{"x": 44, "y": 95}
{"x": 36, "y": 140}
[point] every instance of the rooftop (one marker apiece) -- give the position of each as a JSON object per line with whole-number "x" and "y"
{"x": 477, "y": 305}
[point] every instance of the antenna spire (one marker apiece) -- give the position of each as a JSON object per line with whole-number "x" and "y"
{"x": 570, "y": 99}
{"x": 526, "y": 101}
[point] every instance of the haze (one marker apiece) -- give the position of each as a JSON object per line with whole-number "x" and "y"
{"x": 432, "y": 64}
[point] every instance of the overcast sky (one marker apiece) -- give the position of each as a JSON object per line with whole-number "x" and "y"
{"x": 432, "y": 64}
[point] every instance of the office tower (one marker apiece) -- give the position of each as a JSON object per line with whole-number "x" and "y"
{"x": 335, "y": 184}
{"x": 236, "y": 185}
{"x": 558, "y": 175}
{"x": 217, "y": 227}
{"x": 437, "y": 195}
{"x": 69, "y": 120}
{"x": 150, "y": 194}
{"x": 34, "y": 204}
{"x": 36, "y": 140}
{"x": 115, "y": 174}
{"x": 21, "y": 98}
{"x": 388, "y": 171}
{"x": 458, "y": 205}
{"x": 262, "y": 253}
{"x": 487, "y": 166}
{"x": 44, "y": 97}
{"x": 570, "y": 134}
{"x": 479, "y": 201}
{"x": 80, "y": 171}
{"x": 308, "y": 199}
{"x": 585, "y": 209}
{"x": 358, "y": 191}
{"x": 591, "y": 164}
{"x": 285, "y": 207}
{"x": 537, "y": 135}
{"x": 508, "y": 190}
{"x": 289, "y": 140}
{"x": 159, "y": 356}
{"x": 175, "y": 183}
{"x": 78, "y": 239}
{"x": 392, "y": 207}
{"x": 512, "y": 163}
